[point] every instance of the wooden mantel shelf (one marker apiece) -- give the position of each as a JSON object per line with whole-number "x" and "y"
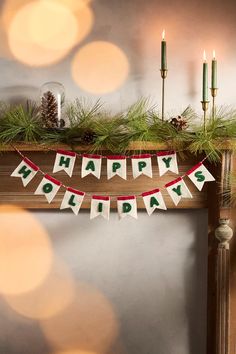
{"x": 136, "y": 145}
{"x": 133, "y": 146}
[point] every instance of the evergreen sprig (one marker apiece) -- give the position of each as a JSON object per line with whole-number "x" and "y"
{"x": 81, "y": 112}
{"x": 218, "y": 130}
{"x": 21, "y": 124}
{"x": 139, "y": 121}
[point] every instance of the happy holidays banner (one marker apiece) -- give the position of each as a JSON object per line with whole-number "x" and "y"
{"x": 116, "y": 165}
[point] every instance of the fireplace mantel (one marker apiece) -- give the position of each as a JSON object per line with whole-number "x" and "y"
{"x": 218, "y": 309}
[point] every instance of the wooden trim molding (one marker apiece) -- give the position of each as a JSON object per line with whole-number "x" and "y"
{"x": 224, "y": 234}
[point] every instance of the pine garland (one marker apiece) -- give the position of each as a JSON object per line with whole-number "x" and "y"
{"x": 90, "y": 124}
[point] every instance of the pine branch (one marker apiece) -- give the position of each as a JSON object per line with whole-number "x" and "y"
{"x": 21, "y": 124}
{"x": 82, "y": 112}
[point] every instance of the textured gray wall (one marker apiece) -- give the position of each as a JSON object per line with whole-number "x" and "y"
{"x": 145, "y": 287}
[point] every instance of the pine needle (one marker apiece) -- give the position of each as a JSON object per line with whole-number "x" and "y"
{"x": 82, "y": 112}
{"x": 203, "y": 142}
{"x": 139, "y": 121}
{"x": 21, "y": 124}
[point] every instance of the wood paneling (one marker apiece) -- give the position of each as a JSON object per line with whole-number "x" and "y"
{"x": 12, "y": 190}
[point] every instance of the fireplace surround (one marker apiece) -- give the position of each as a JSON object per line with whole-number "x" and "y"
{"x": 212, "y": 198}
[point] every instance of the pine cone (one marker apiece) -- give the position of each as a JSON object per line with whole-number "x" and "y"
{"x": 88, "y": 137}
{"x": 49, "y": 110}
{"x": 179, "y": 122}
{"x": 62, "y": 123}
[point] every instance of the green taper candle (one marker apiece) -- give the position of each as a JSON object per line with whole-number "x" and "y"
{"x": 214, "y": 71}
{"x": 205, "y": 79}
{"x": 163, "y": 52}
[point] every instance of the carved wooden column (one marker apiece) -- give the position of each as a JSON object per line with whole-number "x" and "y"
{"x": 224, "y": 233}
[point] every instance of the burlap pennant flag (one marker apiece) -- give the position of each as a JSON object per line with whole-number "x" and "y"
{"x": 91, "y": 164}
{"x": 199, "y": 174}
{"x": 127, "y": 206}
{"x": 167, "y": 161}
{"x": 72, "y": 199}
{"x": 26, "y": 170}
{"x": 116, "y": 165}
{"x": 142, "y": 165}
{"x": 153, "y": 200}
{"x": 100, "y": 205}
{"x": 49, "y": 187}
{"x": 64, "y": 161}
{"x": 177, "y": 190}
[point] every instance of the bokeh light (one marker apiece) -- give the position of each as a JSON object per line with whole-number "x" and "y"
{"x": 29, "y": 41}
{"x": 25, "y": 251}
{"x": 85, "y": 19}
{"x": 88, "y": 323}
{"x": 9, "y": 10}
{"x": 48, "y": 299}
{"x": 75, "y": 351}
{"x": 74, "y": 5}
{"x": 51, "y": 25}
{"x": 100, "y": 67}
{"x": 43, "y": 32}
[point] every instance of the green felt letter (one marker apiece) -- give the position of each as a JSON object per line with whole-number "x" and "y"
{"x": 153, "y": 201}
{"x": 100, "y": 207}
{"x": 141, "y": 165}
{"x": 167, "y": 161}
{"x": 200, "y": 177}
{"x": 126, "y": 207}
{"x": 115, "y": 166}
{"x": 24, "y": 171}
{"x": 90, "y": 166}
{"x": 71, "y": 200}
{"x": 64, "y": 161}
{"x": 47, "y": 188}
{"x": 177, "y": 190}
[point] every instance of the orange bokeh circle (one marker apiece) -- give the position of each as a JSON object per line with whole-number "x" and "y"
{"x": 35, "y": 44}
{"x": 100, "y": 67}
{"x": 49, "y": 298}
{"x": 25, "y": 251}
{"x": 88, "y": 323}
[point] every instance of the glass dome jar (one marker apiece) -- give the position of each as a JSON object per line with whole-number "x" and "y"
{"x": 52, "y": 97}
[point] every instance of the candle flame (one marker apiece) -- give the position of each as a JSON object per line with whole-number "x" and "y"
{"x": 204, "y": 55}
{"x": 214, "y": 54}
{"x": 163, "y": 35}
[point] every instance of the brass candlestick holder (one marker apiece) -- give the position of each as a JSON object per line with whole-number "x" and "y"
{"x": 213, "y": 95}
{"x": 163, "y": 75}
{"x": 205, "y": 105}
